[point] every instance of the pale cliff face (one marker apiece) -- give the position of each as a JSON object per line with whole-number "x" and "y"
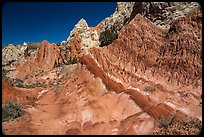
{"x": 10, "y": 53}
{"x": 160, "y": 13}
{"x": 88, "y": 37}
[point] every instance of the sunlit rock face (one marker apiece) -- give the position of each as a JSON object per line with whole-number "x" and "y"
{"x": 45, "y": 58}
{"x": 88, "y": 38}
{"x": 116, "y": 20}
{"x": 163, "y": 13}
{"x": 155, "y": 67}
{"x": 160, "y": 13}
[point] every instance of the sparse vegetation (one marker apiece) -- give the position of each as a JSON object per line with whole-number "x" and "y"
{"x": 150, "y": 88}
{"x": 19, "y": 83}
{"x": 11, "y": 111}
{"x": 19, "y": 80}
{"x": 30, "y": 86}
{"x": 180, "y": 128}
{"x": 107, "y": 37}
{"x": 37, "y": 84}
{"x": 72, "y": 61}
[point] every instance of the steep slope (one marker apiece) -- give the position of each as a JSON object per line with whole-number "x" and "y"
{"x": 160, "y": 13}
{"x": 75, "y": 47}
{"x": 146, "y": 64}
{"x": 81, "y": 106}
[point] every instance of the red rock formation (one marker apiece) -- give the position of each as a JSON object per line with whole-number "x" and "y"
{"x": 62, "y": 57}
{"x": 148, "y": 70}
{"x": 144, "y": 53}
{"x": 46, "y": 56}
{"x": 75, "y": 47}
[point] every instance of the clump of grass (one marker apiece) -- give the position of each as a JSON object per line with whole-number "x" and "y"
{"x": 11, "y": 111}
{"x": 37, "y": 84}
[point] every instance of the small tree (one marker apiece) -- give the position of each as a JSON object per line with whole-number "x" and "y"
{"x": 107, "y": 37}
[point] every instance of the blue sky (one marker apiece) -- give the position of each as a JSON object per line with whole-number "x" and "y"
{"x": 52, "y": 21}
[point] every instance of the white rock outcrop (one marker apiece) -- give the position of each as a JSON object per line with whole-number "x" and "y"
{"x": 160, "y": 13}
{"x": 10, "y": 53}
{"x": 89, "y": 37}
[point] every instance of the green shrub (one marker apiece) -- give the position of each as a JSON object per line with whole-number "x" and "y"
{"x": 20, "y": 85}
{"x": 37, "y": 84}
{"x": 11, "y": 111}
{"x": 19, "y": 80}
{"x": 72, "y": 61}
{"x": 107, "y": 37}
